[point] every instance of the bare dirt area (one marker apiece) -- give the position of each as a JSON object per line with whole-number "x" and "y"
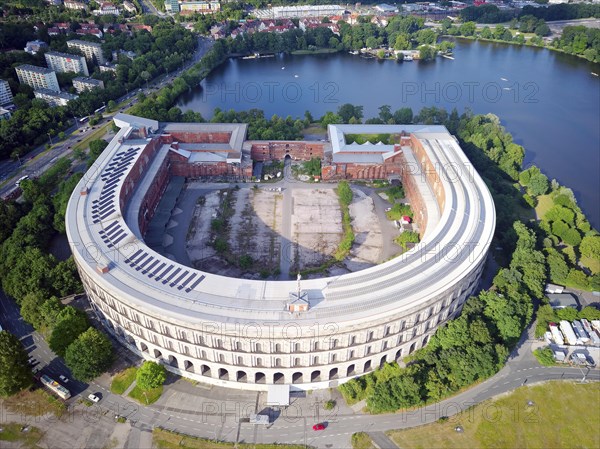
{"x": 236, "y": 233}
{"x": 368, "y": 240}
{"x": 316, "y": 227}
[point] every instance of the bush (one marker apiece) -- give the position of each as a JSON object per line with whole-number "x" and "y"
{"x": 329, "y": 405}
{"x": 407, "y": 237}
{"x": 245, "y": 261}
{"x": 544, "y": 356}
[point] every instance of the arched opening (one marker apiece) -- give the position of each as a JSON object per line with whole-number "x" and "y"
{"x": 260, "y": 378}
{"x": 425, "y": 340}
{"x": 382, "y": 361}
{"x": 157, "y": 354}
{"x": 297, "y": 378}
{"x": 315, "y": 376}
{"x": 223, "y": 374}
{"x": 241, "y": 376}
{"x": 351, "y": 370}
{"x": 188, "y": 366}
{"x": 398, "y": 354}
{"x": 143, "y": 347}
{"x": 367, "y": 366}
{"x": 411, "y": 349}
{"x": 205, "y": 370}
{"x": 110, "y": 325}
{"x": 278, "y": 378}
{"x": 173, "y": 361}
{"x": 130, "y": 340}
{"x": 333, "y": 374}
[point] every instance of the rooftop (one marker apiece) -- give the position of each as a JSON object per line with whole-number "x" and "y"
{"x": 35, "y": 68}
{"x": 87, "y": 80}
{"x": 52, "y": 93}
{"x": 85, "y": 43}
{"x": 64, "y": 55}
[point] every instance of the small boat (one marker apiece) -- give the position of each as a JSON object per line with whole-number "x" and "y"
{"x": 503, "y": 79}
{"x": 507, "y": 88}
{"x": 594, "y": 73}
{"x": 283, "y": 68}
{"x": 447, "y": 56}
{"x": 408, "y": 58}
{"x": 295, "y": 76}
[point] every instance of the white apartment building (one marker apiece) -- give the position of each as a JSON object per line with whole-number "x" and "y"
{"x": 37, "y": 77}
{"x": 54, "y": 98}
{"x": 66, "y": 62}
{"x": 6, "y": 96}
{"x": 91, "y": 50}
{"x": 82, "y": 84}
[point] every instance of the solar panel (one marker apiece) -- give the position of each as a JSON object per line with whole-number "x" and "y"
{"x": 107, "y": 214}
{"x": 195, "y": 284}
{"x": 162, "y": 265}
{"x": 112, "y": 225}
{"x": 139, "y": 258}
{"x": 173, "y": 274}
{"x": 114, "y": 231}
{"x": 176, "y": 281}
{"x": 162, "y": 275}
{"x": 152, "y": 265}
{"x": 120, "y": 238}
{"x": 137, "y": 253}
{"x": 144, "y": 263}
{"x": 187, "y": 281}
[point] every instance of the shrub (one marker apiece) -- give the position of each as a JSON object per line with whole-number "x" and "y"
{"x": 544, "y": 356}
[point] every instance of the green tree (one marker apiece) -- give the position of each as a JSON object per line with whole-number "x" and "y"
{"x": 330, "y": 118}
{"x": 151, "y": 375}
{"x": 89, "y": 355}
{"x": 70, "y": 323}
{"x": 590, "y": 246}
{"x": 568, "y": 313}
{"x": 14, "y": 372}
{"x": 589, "y": 313}
{"x": 97, "y": 146}
{"x": 31, "y": 309}
{"x": 50, "y": 310}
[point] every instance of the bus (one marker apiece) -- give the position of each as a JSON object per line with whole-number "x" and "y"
{"x": 83, "y": 119}
{"x": 100, "y": 109}
{"x": 55, "y": 387}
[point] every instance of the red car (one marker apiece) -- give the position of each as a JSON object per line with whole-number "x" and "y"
{"x": 319, "y": 426}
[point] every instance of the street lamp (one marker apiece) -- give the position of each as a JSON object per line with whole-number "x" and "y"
{"x": 50, "y": 137}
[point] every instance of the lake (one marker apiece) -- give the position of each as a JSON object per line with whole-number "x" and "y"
{"x": 549, "y": 101}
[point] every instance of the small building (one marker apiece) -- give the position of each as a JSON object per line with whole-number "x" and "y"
{"x": 54, "y": 98}
{"x": 6, "y": 96}
{"x": 32, "y": 47}
{"x": 385, "y": 8}
{"x": 4, "y": 114}
{"x": 553, "y": 288}
{"x": 108, "y": 68}
{"x": 107, "y": 9}
{"x": 81, "y": 84}
{"x": 73, "y": 4}
{"x": 129, "y": 7}
{"x": 562, "y": 300}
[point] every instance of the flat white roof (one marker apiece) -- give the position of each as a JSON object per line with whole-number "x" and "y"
{"x": 278, "y": 395}
{"x": 100, "y": 235}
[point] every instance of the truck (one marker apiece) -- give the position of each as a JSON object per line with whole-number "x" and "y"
{"x": 55, "y": 387}
{"x": 567, "y": 330}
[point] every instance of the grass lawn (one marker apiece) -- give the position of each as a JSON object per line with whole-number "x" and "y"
{"x": 35, "y": 403}
{"x": 13, "y": 432}
{"x": 315, "y": 129}
{"x": 123, "y": 380}
{"x": 150, "y": 397}
{"x": 97, "y": 134}
{"x": 164, "y": 439}
{"x": 361, "y": 440}
{"x": 564, "y": 415}
{"x": 544, "y": 203}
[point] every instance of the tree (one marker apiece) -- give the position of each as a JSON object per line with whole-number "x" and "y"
{"x": 97, "y": 146}
{"x": 426, "y": 52}
{"x": 330, "y": 118}
{"x": 403, "y": 116}
{"x": 590, "y": 313}
{"x": 468, "y": 29}
{"x": 50, "y": 310}
{"x": 89, "y": 355}
{"x": 590, "y": 246}
{"x": 31, "y": 309}
{"x": 347, "y": 111}
{"x": 151, "y": 375}
{"x": 70, "y": 323}
{"x": 14, "y": 372}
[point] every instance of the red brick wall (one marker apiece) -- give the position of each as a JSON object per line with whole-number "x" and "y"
{"x": 199, "y": 137}
{"x": 299, "y": 151}
{"x": 183, "y": 168}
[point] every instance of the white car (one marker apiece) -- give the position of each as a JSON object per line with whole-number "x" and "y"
{"x": 92, "y": 397}
{"x": 64, "y": 379}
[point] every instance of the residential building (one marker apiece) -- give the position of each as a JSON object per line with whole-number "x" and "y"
{"x": 73, "y": 4}
{"x": 108, "y": 68}
{"x": 91, "y": 50}
{"x": 33, "y": 47}
{"x": 37, "y": 77}
{"x": 6, "y": 96}
{"x": 299, "y": 11}
{"x": 66, "y": 62}
{"x": 129, "y": 7}
{"x": 107, "y": 9}
{"x": 192, "y": 6}
{"x": 54, "y": 98}
{"x": 82, "y": 84}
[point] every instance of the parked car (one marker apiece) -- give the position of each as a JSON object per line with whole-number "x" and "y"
{"x": 92, "y": 397}
{"x": 319, "y": 426}
{"x": 63, "y": 379}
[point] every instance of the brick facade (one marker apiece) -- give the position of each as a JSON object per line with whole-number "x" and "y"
{"x": 278, "y": 150}
{"x": 197, "y": 137}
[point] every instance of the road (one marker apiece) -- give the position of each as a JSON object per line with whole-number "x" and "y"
{"x": 149, "y": 8}
{"x": 39, "y": 160}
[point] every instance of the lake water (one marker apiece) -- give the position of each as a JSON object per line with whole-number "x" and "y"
{"x": 550, "y": 102}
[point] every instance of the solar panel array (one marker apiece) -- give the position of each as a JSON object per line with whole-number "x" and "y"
{"x": 104, "y": 206}
{"x": 165, "y": 272}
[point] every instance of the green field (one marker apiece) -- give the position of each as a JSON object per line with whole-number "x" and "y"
{"x": 123, "y": 380}
{"x": 564, "y": 415}
{"x": 169, "y": 440}
{"x": 544, "y": 203}
{"x": 361, "y": 440}
{"x": 36, "y": 402}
